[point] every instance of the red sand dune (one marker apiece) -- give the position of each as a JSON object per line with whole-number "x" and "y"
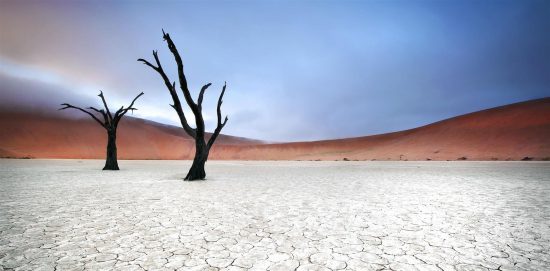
{"x": 509, "y": 132}
{"x": 36, "y": 135}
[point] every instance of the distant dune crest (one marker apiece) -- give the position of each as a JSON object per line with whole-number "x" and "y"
{"x": 518, "y": 131}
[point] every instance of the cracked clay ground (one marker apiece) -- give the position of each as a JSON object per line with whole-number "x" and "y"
{"x": 70, "y": 215}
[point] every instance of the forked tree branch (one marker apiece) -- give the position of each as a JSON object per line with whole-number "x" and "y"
{"x": 106, "y": 107}
{"x": 172, "y": 89}
{"x": 181, "y": 74}
{"x": 149, "y": 63}
{"x": 118, "y": 112}
{"x": 122, "y": 111}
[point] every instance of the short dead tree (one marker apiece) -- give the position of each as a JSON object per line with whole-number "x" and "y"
{"x": 110, "y": 123}
{"x": 202, "y": 148}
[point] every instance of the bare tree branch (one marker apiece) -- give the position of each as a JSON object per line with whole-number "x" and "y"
{"x": 106, "y": 107}
{"x": 220, "y": 123}
{"x": 122, "y": 111}
{"x": 181, "y": 74}
{"x": 118, "y": 112}
{"x": 100, "y": 111}
{"x": 201, "y": 94}
{"x": 172, "y": 89}
{"x": 149, "y": 63}
{"x": 97, "y": 110}
{"x": 104, "y": 125}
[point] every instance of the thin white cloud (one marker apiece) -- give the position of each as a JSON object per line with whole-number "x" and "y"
{"x": 296, "y": 71}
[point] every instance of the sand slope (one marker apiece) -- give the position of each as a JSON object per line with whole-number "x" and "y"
{"x": 38, "y": 135}
{"x": 509, "y": 132}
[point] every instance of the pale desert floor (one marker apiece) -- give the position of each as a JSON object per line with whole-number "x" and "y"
{"x": 68, "y": 214}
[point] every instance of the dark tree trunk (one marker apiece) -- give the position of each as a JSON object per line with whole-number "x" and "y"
{"x": 111, "y": 162}
{"x": 196, "y": 172}
{"x": 110, "y": 123}
{"x": 201, "y": 147}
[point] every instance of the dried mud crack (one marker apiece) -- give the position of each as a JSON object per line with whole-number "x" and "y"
{"x": 70, "y": 215}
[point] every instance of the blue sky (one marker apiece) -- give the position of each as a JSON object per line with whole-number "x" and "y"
{"x": 296, "y": 70}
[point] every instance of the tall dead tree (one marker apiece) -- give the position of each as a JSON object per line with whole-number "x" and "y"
{"x": 110, "y": 123}
{"x": 202, "y": 148}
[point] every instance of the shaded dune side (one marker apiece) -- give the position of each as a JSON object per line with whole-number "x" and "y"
{"x": 57, "y": 136}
